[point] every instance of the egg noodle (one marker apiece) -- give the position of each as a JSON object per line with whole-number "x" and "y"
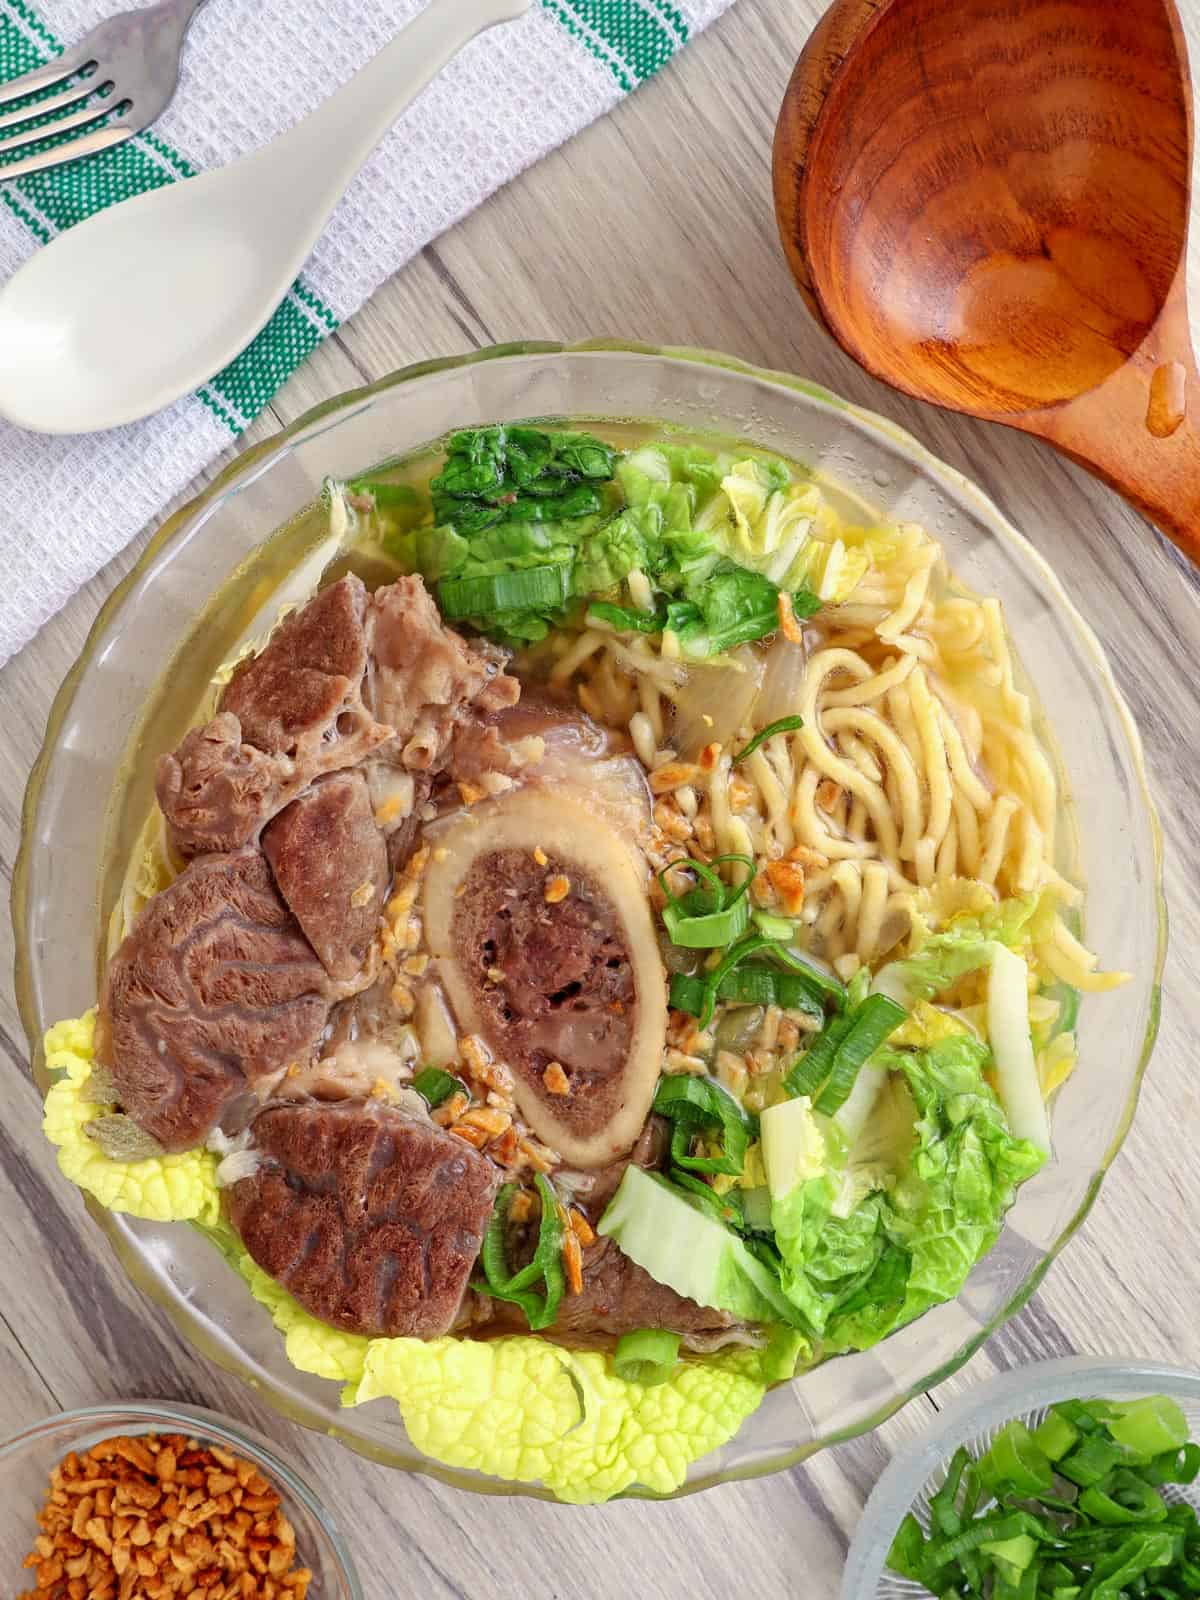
{"x": 919, "y": 763}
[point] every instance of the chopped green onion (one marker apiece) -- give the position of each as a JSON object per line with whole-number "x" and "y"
{"x": 648, "y": 1356}
{"x": 437, "y": 1085}
{"x": 699, "y": 1106}
{"x": 1123, "y": 1499}
{"x": 752, "y": 984}
{"x": 709, "y": 895}
{"x": 546, "y": 1265}
{"x": 813, "y": 1067}
{"x": 1056, "y": 1436}
{"x": 732, "y": 959}
{"x": 713, "y": 914}
{"x": 870, "y": 1025}
{"x": 906, "y": 1558}
{"x": 755, "y": 984}
{"x": 840, "y": 1050}
{"x": 1091, "y": 1461}
{"x": 711, "y": 931}
{"x": 986, "y": 1530}
{"x": 794, "y": 992}
{"x": 1175, "y": 1466}
{"x": 784, "y": 725}
{"x": 1018, "y": 1552}
{"x": 1150, "y": 1426}
{"x": 687, "y": 993}
{"x": 944, "y": 1517}
{"x": 528, "y": 588}
{"x": 1083, "y": 1416}
{"x": 781, "y": 928}
{"x": 1017, "y": 1461}
{"x": 1118, "y": 1537}
{"x": 801, "y": 988}
{"x": 822, "y": 982}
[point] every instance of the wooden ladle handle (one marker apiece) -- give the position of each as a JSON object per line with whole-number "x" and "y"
{"x": 1139, "y": 430}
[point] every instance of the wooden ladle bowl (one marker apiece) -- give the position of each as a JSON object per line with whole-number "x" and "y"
{"x": 986, "y": 201}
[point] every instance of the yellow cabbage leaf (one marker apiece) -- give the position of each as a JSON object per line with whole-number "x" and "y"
{"x": 169, "y": 1188}
{"x": 529, "y": 1411}
{"x": 518, "y": 1408}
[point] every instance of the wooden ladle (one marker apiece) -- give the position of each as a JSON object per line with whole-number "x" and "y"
{"x": 986, "y": 201}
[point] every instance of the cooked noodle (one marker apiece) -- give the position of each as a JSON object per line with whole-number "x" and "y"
{"x": 919, "y": 762}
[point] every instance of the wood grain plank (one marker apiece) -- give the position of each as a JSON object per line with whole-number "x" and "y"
{"x": 656, "y": 224}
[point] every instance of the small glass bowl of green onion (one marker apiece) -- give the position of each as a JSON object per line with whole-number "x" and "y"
{"x": 1066, "y": 1479}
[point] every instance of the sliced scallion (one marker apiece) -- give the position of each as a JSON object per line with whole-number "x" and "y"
{"x": 822, "y": 982}
{"x": 1055, "y": 1436}
{"x": 1150, "y": 1426}
{"x": 729, "y": 961}
{"x": 751, "y": 985}
{"x": 784, "y": 725}
{"x": 1033, "y": 1540}
{"x": 1016, "y": 1458}
{"x": 775, "y": 927}
{"x": 528, "y": 588}
{"x": 791, "y": 991}
{"x": 700, "y": 1106}
{"x": 687, "y": 993}
{"x": 712, "y": 930}
{"x": 1091, "y": 1461}
{"x": 436, "y": 1085}
{"x": 712, "y": 915}
{"x": 814, "y": 1066}
{"x": 540, "y": 1308}
{"x": 870, "y": 1025}
{"x": 648, "y": 1356}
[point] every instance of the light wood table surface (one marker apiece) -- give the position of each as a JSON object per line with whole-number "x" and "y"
{"x": 656, "y": 224}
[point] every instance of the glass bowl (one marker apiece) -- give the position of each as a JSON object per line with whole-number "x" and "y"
{"x": 217, "y": 573}
{"x": 27, "y": 1458}
{"x": 974, "y": 1420}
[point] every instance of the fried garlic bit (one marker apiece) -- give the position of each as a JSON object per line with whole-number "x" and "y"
{"x": 162, "y": 1515}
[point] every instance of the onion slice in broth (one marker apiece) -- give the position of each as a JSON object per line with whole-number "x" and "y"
{"x": 716, "y": 701}
{"x": 782, "y": 682}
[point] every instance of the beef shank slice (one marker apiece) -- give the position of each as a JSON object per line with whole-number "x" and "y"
{"x": 292, "y": 695}
{"x": 619, "y": 1296}
{"x": 537, "y": 915}
{"x": 372, "y": 1219}
{"x": 330, "y": 862}
{"x": 214, "y": 990}
{"x": 288, "y": 714}
{"x": 215, "y": 788}
{"x": 424, "y": 676}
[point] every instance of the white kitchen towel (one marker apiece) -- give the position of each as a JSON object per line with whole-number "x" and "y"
{"x": 68, "y": 505}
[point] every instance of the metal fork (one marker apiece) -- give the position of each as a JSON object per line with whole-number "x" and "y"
{"x": 115, "y": 82}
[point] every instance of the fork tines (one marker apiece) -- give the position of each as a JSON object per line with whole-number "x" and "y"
{"x": 88, "y": 105}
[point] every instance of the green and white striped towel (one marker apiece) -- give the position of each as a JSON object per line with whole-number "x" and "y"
{"x": 68, "y": 505}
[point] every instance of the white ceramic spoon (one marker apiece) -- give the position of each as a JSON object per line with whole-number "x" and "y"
{"x": 145, "y": 301}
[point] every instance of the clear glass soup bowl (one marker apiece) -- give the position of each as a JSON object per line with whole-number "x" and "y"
{"x": 217, "y": 573}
